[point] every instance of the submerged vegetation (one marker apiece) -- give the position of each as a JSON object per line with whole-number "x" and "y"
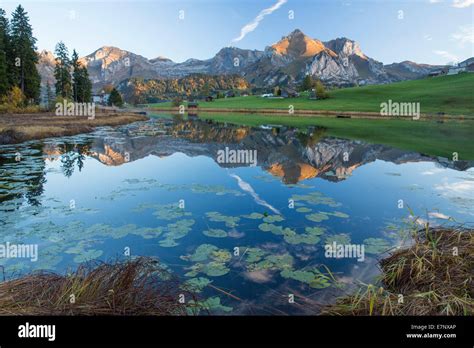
{"x": 434, "y": 276}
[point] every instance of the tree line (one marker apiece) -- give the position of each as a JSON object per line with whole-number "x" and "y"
{"x": 18, "y": 58}
{"x": 72, "y": 78}
{"x": 20, "y": 81}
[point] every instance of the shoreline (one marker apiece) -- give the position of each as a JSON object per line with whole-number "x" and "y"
{"x": 18, "y": 128}
{"x": 319, "y": 113}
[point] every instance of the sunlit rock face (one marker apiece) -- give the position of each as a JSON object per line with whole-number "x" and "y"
{"x": 336, "y": 62}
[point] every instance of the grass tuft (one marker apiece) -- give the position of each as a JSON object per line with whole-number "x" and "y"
{"x": 137, "y": 287}
{"x": 434, "y": 276}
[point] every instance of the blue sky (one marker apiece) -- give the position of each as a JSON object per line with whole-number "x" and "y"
{"x": 426, "y": 31}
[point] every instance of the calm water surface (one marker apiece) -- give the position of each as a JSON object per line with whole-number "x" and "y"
{"x": 156, "y": 188}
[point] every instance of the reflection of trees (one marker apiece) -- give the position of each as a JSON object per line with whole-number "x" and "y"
{"x": 25, "y": 178}
{"x": 73, "y": 154}
{"x": 312, "y": 137}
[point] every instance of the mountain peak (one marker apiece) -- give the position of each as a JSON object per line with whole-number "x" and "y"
{"x": 345, "y": 47}
{"x": 298, "y": 44}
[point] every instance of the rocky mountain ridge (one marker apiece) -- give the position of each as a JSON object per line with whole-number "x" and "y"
{"x": 338, "y": 62}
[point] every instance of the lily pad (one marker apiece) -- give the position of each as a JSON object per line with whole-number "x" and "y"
{"x": 212, "y": 304}
{"x": 317, "y": 217}
{"x": 376, "y": 245}
{"x": 273, "y": 218}
{"x": 313, "y": 277}
{"x": 215, "y": 233}
{"x": 230, "y": 221}
{"x": 196, "y": 284}
{"x": 341, "y": 238}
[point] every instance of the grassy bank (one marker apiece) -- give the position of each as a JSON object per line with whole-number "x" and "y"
{"x": 428, "y": 137}
{"x": 452, "y": 95}
{"x": 16, "y": 128}
{"x": 429, "y": 278}
{"x": 138, "y": 287}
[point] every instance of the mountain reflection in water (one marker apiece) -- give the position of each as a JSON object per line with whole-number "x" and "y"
{"x": 89, "y": 196}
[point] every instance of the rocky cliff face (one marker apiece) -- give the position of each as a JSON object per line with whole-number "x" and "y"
{"x": 338, "y": 62}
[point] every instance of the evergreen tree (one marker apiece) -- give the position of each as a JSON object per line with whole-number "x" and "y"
{"x": 86, "y": 86}
{"x": 307, "y": 83}
{"x": 23, "y": 57}
{"x": 62, "y": 71}
{"x": 76, "y": 75}
{"x": 49, "y": 97}
{"x": 4, "y": 44}
{"x": 115, "y": 99}
{"x": 82, "y": 86}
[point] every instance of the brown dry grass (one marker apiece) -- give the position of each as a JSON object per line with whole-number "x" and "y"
{"x": 434, "y": 275}
{"x": 137, "y": 287}
{"x": 16, "y": 128}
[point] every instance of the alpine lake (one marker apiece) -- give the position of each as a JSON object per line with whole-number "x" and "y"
{"x": 248, "y": 238}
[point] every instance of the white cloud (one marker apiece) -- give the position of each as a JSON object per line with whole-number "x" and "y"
{"x": 448, "y": 56}
{"x": 249, "y": 189}
{"x": 464, "y": 35}
{"x": 460, "y": 188}
{"x": 462, "y": 3}
{"x": 249, "y": 27}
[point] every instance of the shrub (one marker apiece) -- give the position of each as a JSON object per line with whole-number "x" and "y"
{"x": 321, "y": 90}
{"x": 177, "y": 101}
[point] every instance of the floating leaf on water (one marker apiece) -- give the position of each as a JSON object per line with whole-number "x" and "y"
{"x": 311, "y": 236}
{"x": 272, "y": 262}
{"x": 196, "y": 284}
{"x": 201, "y": 253}
{"x": 317, "y": 217}
{"x": 215, "y": 269}
{"x": 215, "y": 233}
{"x": 254, "y": 216}
{"x": 314, "y": 278}
{"x": 230, "y": 221}
{"x": 273, "y": 218}
{"x": 341, "y": 238}
{"x": 303, "y": 210}
{"x": 175, "y": 231}
{"x": 220, "y": 255}
{"x": 210, "y": 260}
{"x": 375, "y": 245}
{"x": 338, "y": 214}
{"x": 212, "y": 304}
{"x": 253, "y": 255}
{"x": 316, "y": 198}
{"x": 168, "y": 243}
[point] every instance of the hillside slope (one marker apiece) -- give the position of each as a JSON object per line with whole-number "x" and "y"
{"x": 449, "y": 94}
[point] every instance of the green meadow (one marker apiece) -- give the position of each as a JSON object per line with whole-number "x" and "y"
{"x": 452, "y": 95}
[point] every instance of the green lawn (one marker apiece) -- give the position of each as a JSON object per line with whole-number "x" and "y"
{"x": 449, "y": 94}
{"x": 427, "y": 137}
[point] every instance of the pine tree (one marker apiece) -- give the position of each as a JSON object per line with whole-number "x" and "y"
{"x": 82, "y": 86}
{"x": 76, "y": 75}
{"x": 308, "y": 83}
{"x": 4, "y": 44}
{"x": 23, "y": 57}
{"x": 86, "y": 87}
{"x": 115, "y": 99}
{"x": 62, "y": 71}
{"x": 49, "y": 96}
